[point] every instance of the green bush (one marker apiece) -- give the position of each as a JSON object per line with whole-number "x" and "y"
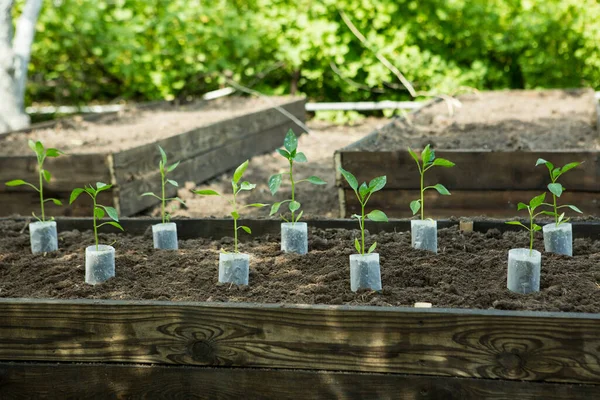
{"x": 161, "y": 49}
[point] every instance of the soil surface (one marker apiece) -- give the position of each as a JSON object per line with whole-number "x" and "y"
{"x": 468, "y": 272}
{"x": 499, "y": 120}
{"x": 317, "y": 201}
{"x": 134, "y": 127}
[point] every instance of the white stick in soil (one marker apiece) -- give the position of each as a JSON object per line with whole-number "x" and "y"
{"x": 424, "y": 234}
{"x": 43, "y": 237}
{"x": 559, "y": 239}
{"x": 165, "y": 236}
{"x": 294, "y": 237}
{"x": 99, "y": 264}
{"x": 365, "y": 272}
{"x": 524, "y": 269}
{"x": 234, "y": 268}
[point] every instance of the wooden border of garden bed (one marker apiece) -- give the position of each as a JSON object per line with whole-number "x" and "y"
{"x": 483, "y": 182}
{"x": 204, "y": 152}
{"x": 87, "y": 348}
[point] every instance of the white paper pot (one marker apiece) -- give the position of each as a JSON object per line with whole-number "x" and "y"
{"x": 365, "y": 272}
{"x": 294, "y": 237}
{"x": 165, "y": 236}
{"x": 424, "y": 234}
{"x": 559, "y": 239}
{"x": 524, "y": 269}
{"x": 43, "y": 237}
{"x": 234, "y": 268}
{"x": 99, "y": 264}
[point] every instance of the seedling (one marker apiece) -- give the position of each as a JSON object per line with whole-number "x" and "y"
{"x": 557, "y": 189}
{"x": 44, "y": 175}
{"x": 237, "y": 188}
{"x": 291, "y": 154}
{"x": 533, "y": 227}
{"x": 428, "y": 161}
{"x": 363, "y": 194}
{"x": 164, "y": 168}
{"x": 99, "y": 210}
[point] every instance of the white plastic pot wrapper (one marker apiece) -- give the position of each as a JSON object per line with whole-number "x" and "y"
{"x": 524, "y": 268}
{"x": 234, "y": 268}
{"x": 294, "y": 237}
{"x": 99, "y": 264}
{"x": 424, "y": 234}
{"x": 558, "y": 239}
{"x": 165, "y": 236}
{"x": 365, "y": 272}
{"x": 43, "y": 237}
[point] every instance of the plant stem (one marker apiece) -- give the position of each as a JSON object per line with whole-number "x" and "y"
{"x": 235, "y": 228}
{"x": 530, "y": 233}
{"x": 293, "y": 187}
{"x": 162, "y": 206}
{"x": 422, "y": 197}
{"x": 95, "y": 224}
{"x": 555, "y": 209}
{"x": 42, "y": 193}
{"x": 362, "y": 228}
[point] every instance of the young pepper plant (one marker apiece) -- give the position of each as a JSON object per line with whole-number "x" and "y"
{"x": 428, "y": 161}
{"x": 534, "y": 203}
{"x": 237, "y": 188}
{"x": 44, "y": 175}
{"x": 99, "y": 210}
{"x": 557, "y": 189}
{"x": 164, "y": 168}
{"x": 363, "y": 194}
{"x": 291, "y": 154}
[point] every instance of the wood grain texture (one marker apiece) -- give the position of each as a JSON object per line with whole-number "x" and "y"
{"x": 464, "y": 203}
{"x": 23, "y": 203}
{"x": 476, "y": 169}
{"x": 132, "y": 163}
{"x": 549, "y": 347}
{"x": 93, "y": 381}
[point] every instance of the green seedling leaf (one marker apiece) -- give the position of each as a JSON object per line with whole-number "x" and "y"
{"x": 206, "y": 192}
{"x": 39, "y": 148}
{"x": 178, "y": 200}
{"x": 173, "y": 166}
{"x": 358, "y": 217}
{"x": 172, "y": 182}
{"x": 299, "y": 216}
{"x": 572, "y": 207}
{"x": 235, "y": 215}
{"x": 257, "y": 205}
{"x": 275, "y": 183}
{"x": 548, "y": 164}
{"x": 17, "y": 182}
{"x": 100, "y": 186}
{"x": 247, "y": 186}
{"x": 246, "y": 229}
{"x": 372, "y": 248}
{"x": 112, "y": 213}
{"x": 427, "y": 155}
{"x": 275, "y": 208}
{"x": 377, "y": 184}
{"x": 300, "y": 157}
{"x": 537, "y": 201}
{"x": 561, "y": 217}
{"x": 516, "y": 223}
{"x": 31, "y": 145}
{"x": 315, "y": 180}
{"x": 377, "y": 216}
{"x": 239, "y": 172}
{"x": 569, "y": 166}
{"x": 112, "y": 223}
{"x": 521, "y": 206}
{"x": 442, "y": 162}
{"x": 294, "y": 206}
{"x": 415, "y": 206}
{"x": 53, "y": 152}
{"x": 555, "y": 188}
{"x": 555, "y": 173}
{"x": 414, "y": 155}
{"x": 357, "y": 245}
{"x": 441, "y": 189}
{"x": 284, "y": 153}
{"x": 47, "y": 175}
{"x": 99, "y": 213}
{"x": 363, "y": 190}
{"x": 55, "y": 201}
{"x": 75, "y": 194}
{"x": 163, "y": 155}
{"x": 291, "y": 141}
{"x": 349, "y": 178}
{"x": 149, "y": 194}
{"x": 536, "y": 227}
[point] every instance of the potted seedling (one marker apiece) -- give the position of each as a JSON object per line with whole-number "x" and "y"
{"x": 42, "y": 234}
{"x": 524, "y": 265}
{"x": 294, "y": 234}
{"x": 165, "y": 233}
{"x": 100, "y": 258}
{"x": 558, "y": 236}
{"x": 364, "y": 267}
{"x": 234, "y": 267}
{"x": 424, "y": 231}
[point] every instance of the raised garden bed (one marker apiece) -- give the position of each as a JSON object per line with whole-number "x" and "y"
{"x": 495, "y": 139}
{"x": 91, "y": 342}
{"x": 208, "y": 138}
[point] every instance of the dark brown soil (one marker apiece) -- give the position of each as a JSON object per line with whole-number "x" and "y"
{"x": 499, "y": 120}
{"x": 469, "y": 271}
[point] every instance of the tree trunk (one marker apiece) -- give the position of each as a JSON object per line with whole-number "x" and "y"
{"x": 14, "y": 59}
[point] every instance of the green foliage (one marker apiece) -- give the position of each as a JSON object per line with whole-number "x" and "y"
{"x": 44, "y": 175}
{"x": 557, "y": 189}
{"x": 427, "y": 161}
{"x": 534, "y": 203}
{"x": 100, "y": 211}
{"x": 237, "y": 188}
{"x": 363, "y": 194}
{"x": 103, "y": 50}
{"x": 291, "y": 153}
{"x": 164, "y": 168}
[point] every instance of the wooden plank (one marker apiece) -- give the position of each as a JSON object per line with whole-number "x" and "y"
{"x": 130, "y": 164}
{"x": 476, "y": 169}
{"x": 23, "y": 203}
{"x": 92, "y": 381}
{"x": 528, "y": 346}
{"x": 201, "y": 168}
{"x": 463, "y": 203}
